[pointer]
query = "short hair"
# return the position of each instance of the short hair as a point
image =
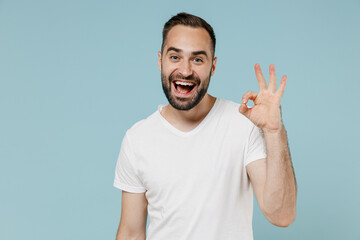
(188, 20)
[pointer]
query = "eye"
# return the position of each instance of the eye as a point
(198, 60)
(174, 58)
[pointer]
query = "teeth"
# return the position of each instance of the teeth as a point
(184, 83)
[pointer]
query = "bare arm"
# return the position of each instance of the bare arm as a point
(280, 187)
(133, 217)
(274, 182)
(273, 178)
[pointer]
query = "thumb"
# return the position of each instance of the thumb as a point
(243, 109)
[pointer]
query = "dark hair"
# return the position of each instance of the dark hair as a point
(188, 20)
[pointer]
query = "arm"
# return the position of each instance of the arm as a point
(274, 182)
(133, 217)
(273, 178)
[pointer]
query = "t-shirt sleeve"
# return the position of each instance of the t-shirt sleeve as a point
(256, 146)
(126, 177)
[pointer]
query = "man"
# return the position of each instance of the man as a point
(193, 165)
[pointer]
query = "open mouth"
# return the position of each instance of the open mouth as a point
(184, 88)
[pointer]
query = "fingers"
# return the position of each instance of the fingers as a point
(281, 89)
(272, 83)
(260, 77)
(249, 95)
(243, 109)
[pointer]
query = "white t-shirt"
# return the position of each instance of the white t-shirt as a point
(196, 182)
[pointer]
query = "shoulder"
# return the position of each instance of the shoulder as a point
(143, 127)
(229, 106)
(230, 109)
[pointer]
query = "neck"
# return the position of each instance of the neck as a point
(194, 115)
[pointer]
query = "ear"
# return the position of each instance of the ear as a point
(213, 66)
(159, 60)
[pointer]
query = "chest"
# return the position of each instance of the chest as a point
(180, 164)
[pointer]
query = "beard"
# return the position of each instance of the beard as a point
(180, 103)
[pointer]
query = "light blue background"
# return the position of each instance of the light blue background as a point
(75, 75)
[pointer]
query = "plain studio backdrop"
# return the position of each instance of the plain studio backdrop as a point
(75, 75)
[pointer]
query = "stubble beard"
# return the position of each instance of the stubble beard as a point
(184, 104)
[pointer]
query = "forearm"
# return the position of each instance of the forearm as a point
(124, 233)
(280, 188)
(121, 236)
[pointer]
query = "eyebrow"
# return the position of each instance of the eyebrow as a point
(201, 52)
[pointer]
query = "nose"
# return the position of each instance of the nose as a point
(185, 68)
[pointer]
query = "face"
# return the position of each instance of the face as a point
(186, 66)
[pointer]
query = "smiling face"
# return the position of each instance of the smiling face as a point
(186, 64)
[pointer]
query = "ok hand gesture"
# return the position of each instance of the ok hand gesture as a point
(266, 113)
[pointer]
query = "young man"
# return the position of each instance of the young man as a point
(193, 164)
